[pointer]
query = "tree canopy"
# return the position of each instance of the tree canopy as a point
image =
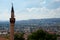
(42, 35)
(18, 36)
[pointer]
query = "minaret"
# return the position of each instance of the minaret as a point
(12, 23)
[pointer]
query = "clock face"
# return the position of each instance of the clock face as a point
(12, 20)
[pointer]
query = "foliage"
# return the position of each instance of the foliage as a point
(42, 35)
(18, 36)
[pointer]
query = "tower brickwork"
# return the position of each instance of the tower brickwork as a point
(12, 23)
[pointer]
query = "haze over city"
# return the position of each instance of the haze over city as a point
(30, 9)
(29, 19)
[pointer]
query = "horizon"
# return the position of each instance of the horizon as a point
(30, 9)
(27, 19)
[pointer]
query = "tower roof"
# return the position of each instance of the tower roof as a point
(12, 10)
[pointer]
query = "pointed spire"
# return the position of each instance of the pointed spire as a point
(12, 10)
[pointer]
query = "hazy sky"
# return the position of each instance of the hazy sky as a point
(30, 9)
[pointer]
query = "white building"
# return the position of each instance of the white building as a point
(3, 32)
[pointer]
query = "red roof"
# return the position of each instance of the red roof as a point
(1, 38)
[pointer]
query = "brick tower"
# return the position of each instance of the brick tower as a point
(12, 22)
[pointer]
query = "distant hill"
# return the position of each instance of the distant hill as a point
(51, 21)
(40, 21)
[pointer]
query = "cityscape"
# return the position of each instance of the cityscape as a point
(30, 20)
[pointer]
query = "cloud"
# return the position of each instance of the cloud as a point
(57, 0)
(38, 13)
(31, 9)
(52, 4)
(4, 16)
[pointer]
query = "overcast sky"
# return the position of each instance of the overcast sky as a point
(30, 9)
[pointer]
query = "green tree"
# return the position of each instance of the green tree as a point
(18, 36)
(42, 35)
